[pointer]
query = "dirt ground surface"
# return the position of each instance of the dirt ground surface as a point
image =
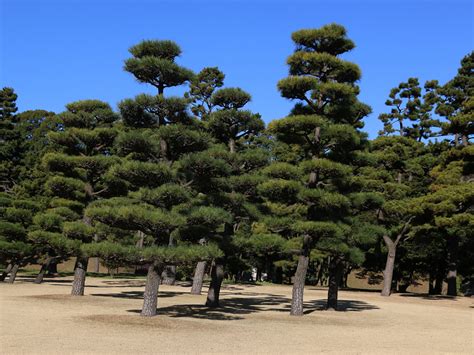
(44, 319)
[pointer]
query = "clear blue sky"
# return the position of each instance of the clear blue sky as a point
(55, 52)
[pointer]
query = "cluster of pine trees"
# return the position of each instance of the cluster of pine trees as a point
(195, 185)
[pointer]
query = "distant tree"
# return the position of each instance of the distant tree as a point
(7, 103)
(456, 103)
(201, 89)
(153, 62)
(412, 110)
(10, 139)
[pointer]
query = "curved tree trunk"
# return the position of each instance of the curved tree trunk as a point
(150, 297)
(13, 272)
(80, 270)
(451, 278)
(389, 266)
(335, 273)
(217, 276)
(44, 268)
(5, 273)
(198, 278)
(299, 280)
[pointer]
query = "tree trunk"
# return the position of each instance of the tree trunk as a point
(402, 288)
(169, 275)
(299, 280)
(232, 145)
(465, 141)
(217, 275)
(164, 150)
(335, 272)
(6, 272)
(451, 278)
(346, 274)
(96, 260)
(399, 177)
(438, 286)
(44, 268)
(198, 278)
(389, 266)
(13, 272)
(53, 267)
(456, 139)
(150, 297)
(80, 270)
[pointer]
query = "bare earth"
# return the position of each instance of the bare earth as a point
(43, 318)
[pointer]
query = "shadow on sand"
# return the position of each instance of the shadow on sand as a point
(235, 308)
(426, 296)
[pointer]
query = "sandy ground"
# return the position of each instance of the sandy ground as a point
(43, 318)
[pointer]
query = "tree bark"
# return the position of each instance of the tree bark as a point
(80, 270)
(198, 278)
(299, 280)
(217, 276)
(438, 285)
(6, 272)
(150, 297)
(53, 267)
(96, 260)
(44, 268)
(169, 275)
(335, 272)
(451, 278)
(232, 145)
(164, 149)
(389, 266)
(13, 272)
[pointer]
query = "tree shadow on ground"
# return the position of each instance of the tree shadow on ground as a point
(235, 308)
(138, 294)
(342, 306)
(230, 309)
(426, 296)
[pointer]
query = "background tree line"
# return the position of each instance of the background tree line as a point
(194, 185)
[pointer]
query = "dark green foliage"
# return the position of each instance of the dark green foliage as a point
(201, 89)
(153, 62)
(7, 103)
(456, 103)
(410, 104)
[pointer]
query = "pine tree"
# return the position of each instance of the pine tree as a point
(447, 210)
(10, 140)
(16, 215)
(456, 103)
(411, 104)
(324, 125)
(201, 90)
(77, 170)
(157, 134)
(153, 62)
